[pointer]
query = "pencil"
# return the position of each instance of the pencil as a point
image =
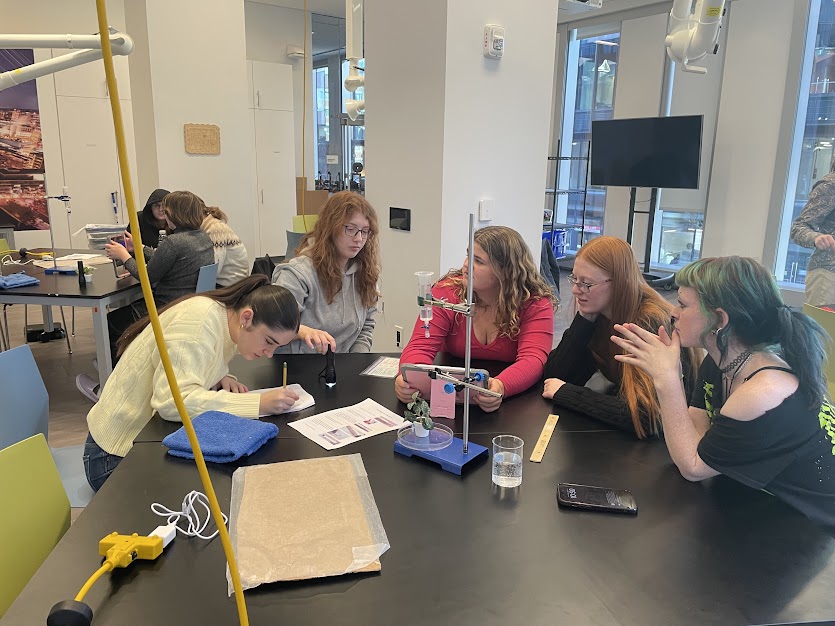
(285, 375)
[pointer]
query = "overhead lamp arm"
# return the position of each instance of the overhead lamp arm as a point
(693, 34)
(88, 49)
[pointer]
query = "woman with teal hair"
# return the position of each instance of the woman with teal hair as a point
(759, 412)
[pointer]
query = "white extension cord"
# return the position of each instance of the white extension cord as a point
(191, 514)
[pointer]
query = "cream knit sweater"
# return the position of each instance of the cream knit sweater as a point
(197, 336)
(230, 253)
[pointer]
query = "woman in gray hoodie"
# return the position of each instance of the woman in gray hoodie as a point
(334, 278)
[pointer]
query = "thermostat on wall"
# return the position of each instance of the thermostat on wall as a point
(493, 41)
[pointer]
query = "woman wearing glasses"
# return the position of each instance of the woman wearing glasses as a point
(513, 321)
(334, 278)
(581, 372)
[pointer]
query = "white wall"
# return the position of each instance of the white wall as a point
(448, 127)
(750, 112)
(269, 30)
(195, 80)
(404, 131)
(497, 119)
(637, 94)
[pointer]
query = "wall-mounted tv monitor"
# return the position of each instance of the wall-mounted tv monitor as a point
(647, 152)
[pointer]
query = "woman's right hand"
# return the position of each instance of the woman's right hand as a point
(316, 339)
(825, 242)
(276, 401)
(403, 390)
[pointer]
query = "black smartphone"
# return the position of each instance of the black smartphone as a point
(596, 498)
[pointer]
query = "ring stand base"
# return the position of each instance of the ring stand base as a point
(451, 458)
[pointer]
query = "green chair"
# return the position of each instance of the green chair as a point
(36, 513)
(827, 320)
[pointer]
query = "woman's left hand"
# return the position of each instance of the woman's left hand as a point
(658, 355)
(227, 383)
(487, 403)
(551, 387)
(116, 251)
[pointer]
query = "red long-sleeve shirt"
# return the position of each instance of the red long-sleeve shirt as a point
(526, 354)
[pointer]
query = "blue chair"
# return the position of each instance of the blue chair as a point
(294, 240)
(26, 413)
(36, 514)
(207, 278)
(25, 400)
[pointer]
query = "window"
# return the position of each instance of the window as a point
(812, 156)
(321, 121)
(591, 62)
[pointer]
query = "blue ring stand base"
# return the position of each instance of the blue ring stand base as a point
(451, 458)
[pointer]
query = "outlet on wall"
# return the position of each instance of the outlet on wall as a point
(485, 210)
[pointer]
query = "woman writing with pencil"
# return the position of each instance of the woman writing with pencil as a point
(202, 332)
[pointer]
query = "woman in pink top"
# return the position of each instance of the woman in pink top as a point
(513, 321)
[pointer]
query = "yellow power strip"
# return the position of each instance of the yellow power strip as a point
(544, 438)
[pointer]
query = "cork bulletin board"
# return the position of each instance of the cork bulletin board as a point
(202, 138)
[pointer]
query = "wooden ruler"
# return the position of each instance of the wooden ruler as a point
(544, 438)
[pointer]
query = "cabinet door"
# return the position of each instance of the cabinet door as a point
(88, 80)
(88, 149)
(273, 85)
(276, 172)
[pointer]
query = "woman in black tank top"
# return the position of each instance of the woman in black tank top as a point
(759, 413)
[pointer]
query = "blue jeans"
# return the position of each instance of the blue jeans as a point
(98, 464)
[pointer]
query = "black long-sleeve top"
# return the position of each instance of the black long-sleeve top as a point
(573, 362)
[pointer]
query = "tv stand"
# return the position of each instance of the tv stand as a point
(657, 280)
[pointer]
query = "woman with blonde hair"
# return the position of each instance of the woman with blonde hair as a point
(334, 278)
(230, 252)
(582, 372)
(513, 321)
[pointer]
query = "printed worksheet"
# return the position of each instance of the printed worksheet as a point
(384, 367)
(305, 399)
(339, 427)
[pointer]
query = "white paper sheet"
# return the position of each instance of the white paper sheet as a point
(339, 427)
(305, 399)
(384, 367)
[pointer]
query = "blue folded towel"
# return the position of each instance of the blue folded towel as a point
(223, 437)
(20, 279)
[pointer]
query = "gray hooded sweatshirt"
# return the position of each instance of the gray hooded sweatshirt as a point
(346, 319)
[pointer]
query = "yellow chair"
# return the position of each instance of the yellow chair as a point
(827, 320)
(35, 516)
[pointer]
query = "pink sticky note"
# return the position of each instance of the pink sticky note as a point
(441, 404)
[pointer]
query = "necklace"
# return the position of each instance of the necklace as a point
(728, 378)
(740, 359)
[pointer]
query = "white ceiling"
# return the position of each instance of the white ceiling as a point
(337, 7)
(611, 6)
(324, 7)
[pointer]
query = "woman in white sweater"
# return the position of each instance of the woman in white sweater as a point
(202, 332)
(230, 253)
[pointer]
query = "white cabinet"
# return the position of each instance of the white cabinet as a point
(271, 104)
(271, 86)
(275, 172)
(88, 80)
(91, 166)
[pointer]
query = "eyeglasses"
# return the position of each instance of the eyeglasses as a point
(585, 287)
(352, 231)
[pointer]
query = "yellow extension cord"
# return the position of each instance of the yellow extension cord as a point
(115, 106)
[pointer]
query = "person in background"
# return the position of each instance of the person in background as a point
(581, 372)
(513, 320)
(203, 332)
(152, 219)
(814, 228)
(230, 253)
(334, 278)
(759, 412)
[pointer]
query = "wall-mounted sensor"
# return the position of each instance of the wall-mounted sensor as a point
(400, 219)
(493, 41)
